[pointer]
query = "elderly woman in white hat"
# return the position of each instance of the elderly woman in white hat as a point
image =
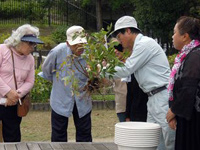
(15, 56)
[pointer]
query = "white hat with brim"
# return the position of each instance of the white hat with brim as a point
(75, 35)
(125, 22)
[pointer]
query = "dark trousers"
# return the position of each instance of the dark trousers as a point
(10, 123)
(60, 124)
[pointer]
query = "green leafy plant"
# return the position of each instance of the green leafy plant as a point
(70, 78)
(171, 59)
(48, 43)
(59, 35)
(42, 88)
(3, 37)
(97, 52)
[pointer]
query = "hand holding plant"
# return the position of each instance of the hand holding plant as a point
(100, 58)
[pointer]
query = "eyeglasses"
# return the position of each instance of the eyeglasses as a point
(119, 32)
(115, 34)
(32, 44)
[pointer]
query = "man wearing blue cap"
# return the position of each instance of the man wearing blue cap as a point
(63, 100)
(150, 66)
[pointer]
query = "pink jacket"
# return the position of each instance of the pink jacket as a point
(24, 71)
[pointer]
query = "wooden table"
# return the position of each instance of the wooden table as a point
(58, 146)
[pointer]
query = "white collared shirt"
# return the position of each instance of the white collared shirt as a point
(148, 62)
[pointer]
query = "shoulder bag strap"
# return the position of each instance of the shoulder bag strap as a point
(14, 69)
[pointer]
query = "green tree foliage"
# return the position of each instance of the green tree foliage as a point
(86, 2)
(159, 17)
(116, 4)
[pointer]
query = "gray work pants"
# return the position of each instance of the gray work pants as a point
(157, 106)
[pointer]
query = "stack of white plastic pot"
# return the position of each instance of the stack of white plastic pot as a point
(137, 135)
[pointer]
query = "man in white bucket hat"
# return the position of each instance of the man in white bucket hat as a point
(150, 66)
(63, 102)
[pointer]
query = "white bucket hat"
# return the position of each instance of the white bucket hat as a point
(126, 22)
(75, 31)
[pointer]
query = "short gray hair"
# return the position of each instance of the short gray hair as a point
(16, 36)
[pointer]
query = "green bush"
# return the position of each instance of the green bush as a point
(3, 37)
(6, 12)
(48, 43)
(59, 35)
(23, 9)
(41, 90)
(171, 60)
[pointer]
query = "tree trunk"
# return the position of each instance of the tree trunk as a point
(99, 15)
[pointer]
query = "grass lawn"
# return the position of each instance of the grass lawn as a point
(36, 126)
(109, 97)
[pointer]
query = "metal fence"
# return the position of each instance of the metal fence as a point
(47, 12)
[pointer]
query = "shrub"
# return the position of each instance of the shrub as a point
(42, 88)
(48, 43)
(25, 9)
(59, 35)
(171, 60)
(3, 37)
